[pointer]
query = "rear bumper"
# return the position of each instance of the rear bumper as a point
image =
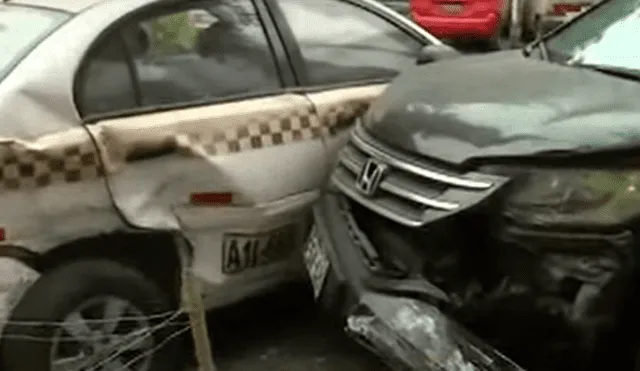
(399, 320)
(459, 27)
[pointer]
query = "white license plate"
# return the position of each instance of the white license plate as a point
(317, 262)
(242, 252)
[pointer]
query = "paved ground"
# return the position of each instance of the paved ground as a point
(283, 332)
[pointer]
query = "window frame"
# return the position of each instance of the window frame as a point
(294, 51)
(81, 74)
(281, 62)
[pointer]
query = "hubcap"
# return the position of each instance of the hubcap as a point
(103, 334)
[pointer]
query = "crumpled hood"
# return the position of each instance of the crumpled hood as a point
(503, 104)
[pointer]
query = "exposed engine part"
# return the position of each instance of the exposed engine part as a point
(543, 307)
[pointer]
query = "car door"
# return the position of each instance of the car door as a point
(345, 61)
(198, 134)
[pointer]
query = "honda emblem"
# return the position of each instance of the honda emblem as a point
(370, 177)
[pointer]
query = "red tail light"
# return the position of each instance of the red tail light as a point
(563, 9)
(211, 198)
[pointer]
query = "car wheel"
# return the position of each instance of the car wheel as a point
(91, 315)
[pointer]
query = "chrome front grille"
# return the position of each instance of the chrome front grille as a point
(412, 191)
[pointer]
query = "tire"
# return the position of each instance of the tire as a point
(59, 292)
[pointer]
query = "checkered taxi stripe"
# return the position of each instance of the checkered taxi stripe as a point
(21, 167)
(25, 168)
(293, 128)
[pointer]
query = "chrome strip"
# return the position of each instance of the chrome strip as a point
(354, 167)
(349, 162)
(373, 206)
(414, 169)
(411, 196)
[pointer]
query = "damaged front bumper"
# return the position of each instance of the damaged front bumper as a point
(412, 335)
(398, 319)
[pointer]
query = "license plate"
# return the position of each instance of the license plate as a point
(316, 261)
(242, 252)
(452, 8)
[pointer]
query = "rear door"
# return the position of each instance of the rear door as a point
(347, 57)
(189, 103)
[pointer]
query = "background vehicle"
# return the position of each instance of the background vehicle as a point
(132, 126)
(454, 20)
(470, 229)
(502, 24)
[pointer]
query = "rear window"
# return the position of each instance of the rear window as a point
(21, 29)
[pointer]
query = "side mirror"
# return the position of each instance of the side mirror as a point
(436, 52)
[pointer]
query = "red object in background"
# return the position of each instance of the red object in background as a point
(211, 198)
(562, 9)
(458, 19)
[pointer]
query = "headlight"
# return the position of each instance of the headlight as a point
(572, 196)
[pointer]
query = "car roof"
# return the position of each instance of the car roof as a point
(71, 6)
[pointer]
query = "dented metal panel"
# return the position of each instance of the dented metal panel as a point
(269, 153)
(158, 160)
(51, 178)
(55, 190)
(357, 99)
(64, 180)
(266, 152)
(415, 336)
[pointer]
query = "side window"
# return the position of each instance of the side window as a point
(346, 42)
(201, 52)
(106, 81)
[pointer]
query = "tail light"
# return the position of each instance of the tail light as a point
(561, 9)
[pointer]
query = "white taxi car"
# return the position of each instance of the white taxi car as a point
(129, 125)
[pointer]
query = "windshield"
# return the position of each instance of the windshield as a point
(605, 36)
(21, 28)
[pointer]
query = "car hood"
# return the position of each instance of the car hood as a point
(503, 104)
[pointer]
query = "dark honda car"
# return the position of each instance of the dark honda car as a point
(485, 212)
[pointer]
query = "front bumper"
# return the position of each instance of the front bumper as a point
(399, 320)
